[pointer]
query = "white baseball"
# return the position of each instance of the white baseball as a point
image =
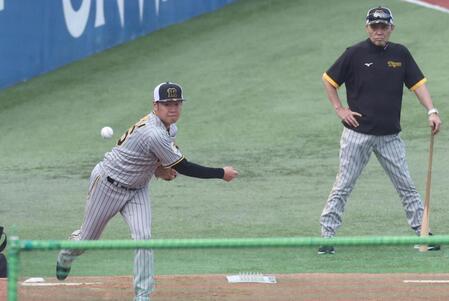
(107, 132)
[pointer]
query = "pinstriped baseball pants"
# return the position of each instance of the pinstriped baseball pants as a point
(104, 201)
(355, 151)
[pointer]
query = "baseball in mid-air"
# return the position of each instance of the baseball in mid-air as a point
(107, 132)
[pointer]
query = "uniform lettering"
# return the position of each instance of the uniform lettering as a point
(393, 64)
(139, 124)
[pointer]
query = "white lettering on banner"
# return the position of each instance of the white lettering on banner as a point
(76, 21)
(99, 14)
(157, 4)
(141, 10)
(2, 4)
(121, 10)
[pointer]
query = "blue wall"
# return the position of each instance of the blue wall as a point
(37, 36)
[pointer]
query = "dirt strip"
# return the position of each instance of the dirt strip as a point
(215, 287)
(442, 3)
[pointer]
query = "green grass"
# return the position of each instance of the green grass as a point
(251, 74)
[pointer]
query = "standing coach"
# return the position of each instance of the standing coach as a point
(374, 72)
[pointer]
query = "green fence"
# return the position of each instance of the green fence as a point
(17, 246)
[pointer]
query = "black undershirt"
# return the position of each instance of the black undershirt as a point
(191, 169)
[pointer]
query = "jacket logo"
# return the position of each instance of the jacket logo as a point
(393, 64)
(368, 64)
(172, 93)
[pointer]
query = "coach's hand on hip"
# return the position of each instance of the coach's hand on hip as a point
(229, 173)
(348, 116)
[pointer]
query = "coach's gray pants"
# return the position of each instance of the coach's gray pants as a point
(104, 201)
(355, 151)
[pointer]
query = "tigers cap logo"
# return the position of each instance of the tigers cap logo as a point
(172, 93)
(167, 91)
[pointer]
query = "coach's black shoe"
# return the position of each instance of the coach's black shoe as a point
(61, 272)
(432, 247)
(326, 250)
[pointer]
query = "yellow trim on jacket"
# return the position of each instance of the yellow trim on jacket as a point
(418, 84)
(330, 80)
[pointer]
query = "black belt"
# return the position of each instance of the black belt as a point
(118, 184)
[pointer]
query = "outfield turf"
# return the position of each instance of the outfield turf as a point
(252, 76)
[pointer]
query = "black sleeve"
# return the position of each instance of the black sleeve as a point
(339, 71)
(197, 171)
(413, 74)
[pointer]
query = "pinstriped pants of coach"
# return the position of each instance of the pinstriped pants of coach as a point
(355, 151)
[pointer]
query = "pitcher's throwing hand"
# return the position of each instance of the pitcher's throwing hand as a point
(229, 173)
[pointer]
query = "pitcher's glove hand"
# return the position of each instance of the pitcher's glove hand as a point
(167, 174)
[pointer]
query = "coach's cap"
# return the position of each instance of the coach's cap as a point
(379, 15)
(168, 92)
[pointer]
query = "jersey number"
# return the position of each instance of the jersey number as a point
(141, 123)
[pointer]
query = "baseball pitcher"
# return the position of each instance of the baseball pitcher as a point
(119, 183)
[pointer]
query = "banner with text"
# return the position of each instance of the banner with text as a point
(40, 36)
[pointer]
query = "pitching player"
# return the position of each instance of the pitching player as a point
(374, 72)
(119, 183)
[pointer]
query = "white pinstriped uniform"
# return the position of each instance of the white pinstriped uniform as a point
(355, 151)
(131, 163)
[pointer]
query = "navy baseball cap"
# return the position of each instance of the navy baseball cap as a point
(379, 15)
(168, 92)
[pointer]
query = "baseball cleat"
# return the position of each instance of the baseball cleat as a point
(75, 235)
(430, 247)
(62, 272)
(326, 250)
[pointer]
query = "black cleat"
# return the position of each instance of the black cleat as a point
(430, 247)
(433, 247)
(61, 272)
(326, 250)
